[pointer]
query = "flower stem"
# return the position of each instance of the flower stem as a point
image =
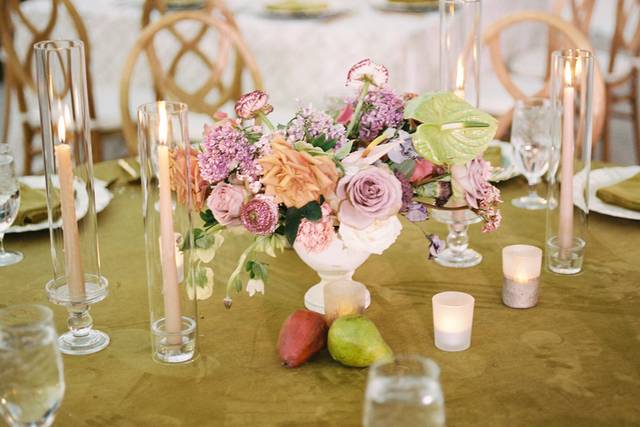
(263, 118)
(356, 114)
(238, 270)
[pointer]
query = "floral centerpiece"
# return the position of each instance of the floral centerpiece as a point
(335, 182)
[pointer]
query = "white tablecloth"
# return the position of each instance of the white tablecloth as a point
(301, 61)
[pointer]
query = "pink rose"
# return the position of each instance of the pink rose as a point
(371, 194)
(472, 179)
(424, 169)
(225, 201)
(252, 103)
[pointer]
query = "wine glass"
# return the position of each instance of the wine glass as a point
(9, 203)
(531, 141)
(404, 393)
(31, 372)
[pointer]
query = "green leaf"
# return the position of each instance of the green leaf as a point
(292, 223)
(406, 168)
(208, 219)
(344, 150)
(311, 211)
(452, 131)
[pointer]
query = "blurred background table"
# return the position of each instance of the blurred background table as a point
(570, 361)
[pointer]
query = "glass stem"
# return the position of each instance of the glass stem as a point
(80, 321)
(533, 194)
(1, 243)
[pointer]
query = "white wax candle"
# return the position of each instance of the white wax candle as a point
(565, 231)
(452, 320)
(173, 323)
(70, 234)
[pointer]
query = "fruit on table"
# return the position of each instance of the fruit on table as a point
(302, 335)
(355, 341)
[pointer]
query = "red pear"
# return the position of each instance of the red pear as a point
(303, 334)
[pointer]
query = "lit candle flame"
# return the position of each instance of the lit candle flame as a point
(162, 123)
(61, 130)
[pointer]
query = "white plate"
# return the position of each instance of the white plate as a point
(610, 176)
(103, 197)
(508, 168)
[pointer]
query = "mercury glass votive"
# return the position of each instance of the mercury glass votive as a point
(452, 320)
(521, 265)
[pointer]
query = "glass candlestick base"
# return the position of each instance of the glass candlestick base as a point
(81, 338)
(179, 347)
(565, 260)
(457, 253)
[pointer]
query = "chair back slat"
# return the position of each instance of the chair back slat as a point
(165, 78)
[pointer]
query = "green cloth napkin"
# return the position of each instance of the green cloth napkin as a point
(114, 174)
(493, 155)
(33, 206)
(625, 194)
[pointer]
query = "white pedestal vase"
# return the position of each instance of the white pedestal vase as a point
(333, 263)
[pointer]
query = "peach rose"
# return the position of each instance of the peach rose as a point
(179, 179)
(296, 178)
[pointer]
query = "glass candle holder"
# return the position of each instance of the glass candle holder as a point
(452, 320)
(460, 48)
(457, 254)
(568, 176)
(66, 144)
(167, 163)
(342, 297)
(521, 265)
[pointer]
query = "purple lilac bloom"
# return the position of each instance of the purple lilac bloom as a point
(382, 109)
(226, 149)
(417, 212)
(311, 124)
(436, 246)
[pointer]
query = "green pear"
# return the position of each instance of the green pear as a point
(355, 341)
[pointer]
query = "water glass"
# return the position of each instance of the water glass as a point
(531, 141)
(9, 203)
(31, 373)
(405, 392)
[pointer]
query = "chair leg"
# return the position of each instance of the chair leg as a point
(96, 146)
(606, 140)
(28, 149)
(6, 115)
(635, 120)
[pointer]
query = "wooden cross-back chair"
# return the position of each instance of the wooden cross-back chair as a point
(622, 79)
(21, 70)
(569, 32)
(217, 8)
(230, 43)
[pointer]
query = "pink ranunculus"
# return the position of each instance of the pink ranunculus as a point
(472, 179)
(260, 215)
(252, 103)
(371, 194)
(424, 169)
(225, 201)
(367, 70)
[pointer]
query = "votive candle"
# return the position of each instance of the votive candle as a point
(452, 320)
(521, 265)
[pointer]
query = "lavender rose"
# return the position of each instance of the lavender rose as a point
(471, 180)
(370, 194)
(260, 215)
(225, 202)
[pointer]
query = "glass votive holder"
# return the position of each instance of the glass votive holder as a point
(452, 320)
(521, 265)
(342, 297)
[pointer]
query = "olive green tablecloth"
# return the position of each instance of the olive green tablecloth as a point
(574, 360)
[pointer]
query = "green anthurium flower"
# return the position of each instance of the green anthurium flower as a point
(451, 131)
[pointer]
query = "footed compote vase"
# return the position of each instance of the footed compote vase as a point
(457, 254)
(81, 338)
(336, 262)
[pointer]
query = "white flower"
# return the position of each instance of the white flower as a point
(204, 289)
(254, 286)
(367, 70)
(375, 239)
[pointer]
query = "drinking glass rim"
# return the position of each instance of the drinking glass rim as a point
(431, 368)
(45, 317)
